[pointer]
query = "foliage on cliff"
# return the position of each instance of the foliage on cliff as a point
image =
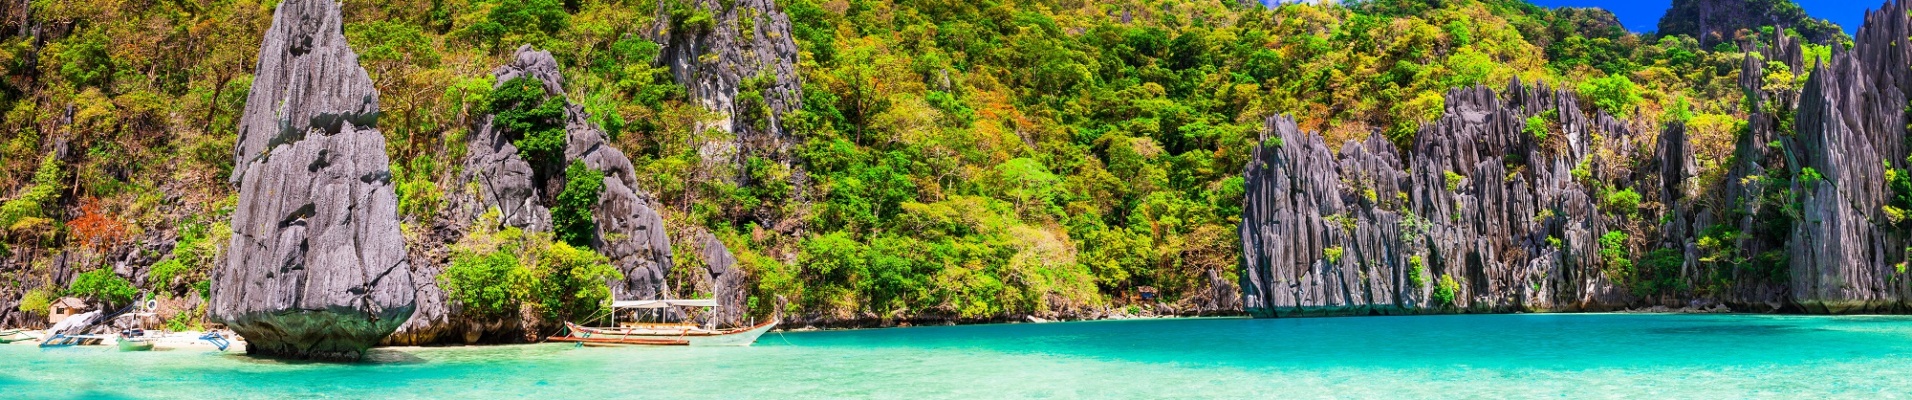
(967, 159)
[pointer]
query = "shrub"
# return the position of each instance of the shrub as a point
(1537, 128)
(487, 285)
(94, 228)
(1810, 177)
(37, 301)
(1659, 273)
(1445, 292)
(521, 106)
(1416, 276)
(572, 219)
(1453, 181)
(1624, 201)
(1613, 250)
(103, 285)
(571, 283)
(48, 182)
(1613, 93)
(1332, 254)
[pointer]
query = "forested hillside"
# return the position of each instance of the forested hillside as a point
(945, 159)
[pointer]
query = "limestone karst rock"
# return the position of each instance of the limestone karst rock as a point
(317, 266)
(1370, 231)
(1846, 251)
(721, 276)
(741, 64)
(630, 232)
(745, 47)
(1802, 215)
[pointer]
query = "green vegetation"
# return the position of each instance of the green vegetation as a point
(1613, 249)
(1416, 274)
(1615, 94)
(521, 106)
(569, 283)
(572, 218)
(1810, 177)
(38, 301)
(486, 285)
(1624, 201)
(104, 286)
(1536, 127)
(969, 159)
(1445, 292)
(1332, 254)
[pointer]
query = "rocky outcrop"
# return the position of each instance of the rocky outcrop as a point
(743, 47)
(721, 277)
(1808, 215)
(738, 59)
(1715, 21)
(630, 230)
(1475, 201)
(1847, 250)
(317, 265)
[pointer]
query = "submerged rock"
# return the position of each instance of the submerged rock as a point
(317, 265)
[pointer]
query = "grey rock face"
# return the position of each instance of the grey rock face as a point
(1851, 125)
(747, 40)
(317, 265)
(1327, 234)
(721, 277)
(1809, 214)
(630, 230)
(743, 66)
(313, 82)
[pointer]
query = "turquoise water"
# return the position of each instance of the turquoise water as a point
(1498, 356)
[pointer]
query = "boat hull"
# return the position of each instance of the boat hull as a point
(135, 345)
(654, 337)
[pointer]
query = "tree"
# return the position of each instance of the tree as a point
(103, 285)
(487, 285)
(1027, 182)
(572, 218)
(572, 284)
(522, 106)
(94, 228)
(1614, 94)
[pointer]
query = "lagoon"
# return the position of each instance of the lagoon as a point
(1497, 356)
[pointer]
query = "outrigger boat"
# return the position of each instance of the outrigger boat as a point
(661, 334)
(135, 340)
(17, 335)
(63, 340)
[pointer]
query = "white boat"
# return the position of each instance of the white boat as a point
(662, 334)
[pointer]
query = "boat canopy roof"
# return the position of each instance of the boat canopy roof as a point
(665, 303)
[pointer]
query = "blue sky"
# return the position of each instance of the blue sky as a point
(1644, 15)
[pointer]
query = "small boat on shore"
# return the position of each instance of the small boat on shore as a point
(18, 335)
(64, 340)
(135, 340)
(661, 334)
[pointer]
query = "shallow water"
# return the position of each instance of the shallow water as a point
(1497, 356)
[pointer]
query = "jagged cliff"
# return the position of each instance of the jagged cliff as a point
(630, 230)
(1371, 231)
(1848, 249)
(738, 60)
(497, 176)
(317, 265)
(1808, 217)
